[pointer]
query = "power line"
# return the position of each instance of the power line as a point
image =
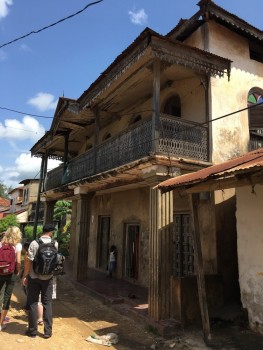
(25, 113)
(51, 25)
(135, 113)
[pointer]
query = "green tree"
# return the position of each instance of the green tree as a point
(4, 190)
(7, 221)
(28, 232)
(63, 238)
(61, 210)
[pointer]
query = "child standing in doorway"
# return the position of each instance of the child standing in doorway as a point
(112, 260)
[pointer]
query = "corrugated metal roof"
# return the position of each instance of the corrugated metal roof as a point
(247, 161)
(4, 202)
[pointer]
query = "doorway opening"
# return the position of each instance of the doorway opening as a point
(103, 242)
(131, 265)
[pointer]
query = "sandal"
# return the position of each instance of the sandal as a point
(40, 322)
(2, 327)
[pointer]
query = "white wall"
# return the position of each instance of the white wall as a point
(250, 252)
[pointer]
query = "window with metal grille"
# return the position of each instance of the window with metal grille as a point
(182, 246)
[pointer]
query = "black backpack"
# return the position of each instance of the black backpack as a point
(45, 260)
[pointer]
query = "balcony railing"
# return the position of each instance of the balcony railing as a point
(176, 138)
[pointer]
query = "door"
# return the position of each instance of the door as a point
(103, 242)
(131, 265)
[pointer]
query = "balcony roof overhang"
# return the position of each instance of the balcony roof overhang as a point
(129, 176)
(119, 86)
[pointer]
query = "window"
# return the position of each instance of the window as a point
(173, 106)
(182, 246)
(255, 98)
(256, 52)
(25, 196)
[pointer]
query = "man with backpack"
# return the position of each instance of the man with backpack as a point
(38, 278)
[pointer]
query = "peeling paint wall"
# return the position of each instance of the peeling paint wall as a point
(124, 207)
(230, 135)
(250, 252)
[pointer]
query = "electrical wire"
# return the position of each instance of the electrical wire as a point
(137, 113)
(51, 25)
(25, 113)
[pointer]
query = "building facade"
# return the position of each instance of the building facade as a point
(168, 105)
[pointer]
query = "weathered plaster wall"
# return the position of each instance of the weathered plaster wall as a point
(123, 207)
(250, 247)
(230, 135)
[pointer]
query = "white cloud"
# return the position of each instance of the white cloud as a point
(3, 55)
(138, 17)
(4, 10)
(25, 167)
(27, 129)
(43, 101)
(25, 47)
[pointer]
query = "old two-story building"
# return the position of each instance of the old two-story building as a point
(23, 201)
(29, 202)
(167, 105)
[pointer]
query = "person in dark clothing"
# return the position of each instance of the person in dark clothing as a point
(36, 284)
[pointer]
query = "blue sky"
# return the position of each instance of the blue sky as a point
(65, 59)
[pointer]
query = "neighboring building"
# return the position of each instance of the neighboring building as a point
(245, 174)
(151, 115)
(23, 201)
(4, 206)
(16, 199)
(30, 193)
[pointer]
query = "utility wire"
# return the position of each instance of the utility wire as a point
(25, 113)
(51, 25)
(136, 113)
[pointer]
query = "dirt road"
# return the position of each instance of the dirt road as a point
(78, 316)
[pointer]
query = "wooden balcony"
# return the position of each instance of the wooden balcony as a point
(177, 138)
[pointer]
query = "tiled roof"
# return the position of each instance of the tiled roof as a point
(4, 202)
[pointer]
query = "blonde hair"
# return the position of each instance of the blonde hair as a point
(12, 236)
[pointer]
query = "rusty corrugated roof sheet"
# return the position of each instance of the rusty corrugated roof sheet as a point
(4, 202)
(247, 161)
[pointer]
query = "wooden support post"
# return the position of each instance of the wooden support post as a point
(199, 268)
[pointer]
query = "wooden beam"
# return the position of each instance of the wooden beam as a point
(73, 126)
(199, 268)
(225, 183)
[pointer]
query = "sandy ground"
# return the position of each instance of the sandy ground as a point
(77, 315)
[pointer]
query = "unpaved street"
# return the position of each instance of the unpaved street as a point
(78, 315)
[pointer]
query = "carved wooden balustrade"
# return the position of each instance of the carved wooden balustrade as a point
(177, 138)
